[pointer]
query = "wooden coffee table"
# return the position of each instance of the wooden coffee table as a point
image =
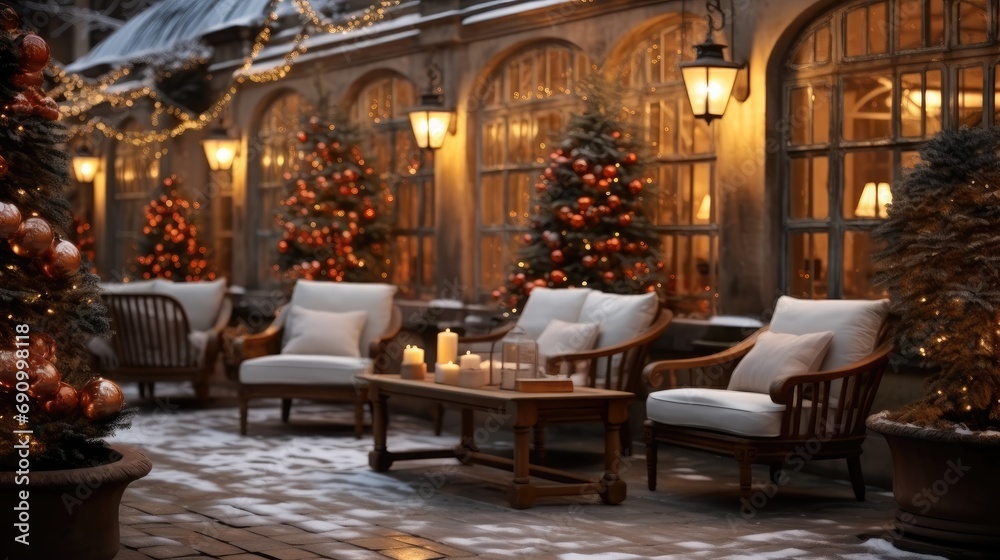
(518, 411)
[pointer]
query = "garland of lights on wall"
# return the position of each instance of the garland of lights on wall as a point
(82, 94)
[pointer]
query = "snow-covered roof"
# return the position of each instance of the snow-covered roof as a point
(169, 23)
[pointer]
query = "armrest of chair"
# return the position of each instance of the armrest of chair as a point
(783, 390)
(263, 343)
(653, 374)
(225, 315)
(492, 336)
(395, 325)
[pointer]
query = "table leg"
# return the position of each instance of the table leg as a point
(613, 491)
(380, 459)
(522, 492)
(468, 442)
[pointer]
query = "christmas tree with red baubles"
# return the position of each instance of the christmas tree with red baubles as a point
(335, 221)
(169, 246)
(81, 233)
(589, 228)
(51, 403)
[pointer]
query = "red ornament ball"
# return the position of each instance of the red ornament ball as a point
(539, 282)
(62, 260)
(4, 168)
(47, 109)
(63, 402)
(526, 239)
(565, 212)
(557, 276)
(635, 187)
(610, 277)
(631, 248)
(589, 261)
(302, 136)
(577, 221)
(581, 166)
(600, 246)
(10, 220)
(518, 279)
(589, 180)
(540, 186)
(625, 220)
(584, 203)
(616, 134)
(43, 378)
(614, 201)
(614, 244)
(33, 53)
(32, 238)
(8, 18)
(350, 175)
(42, 346)
(603, 210)
(369, 213)
(557, 256)
(496, 294)
(101, 399)
(609, 171)
(631, 158)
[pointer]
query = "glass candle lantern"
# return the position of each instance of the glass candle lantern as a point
(518, 359)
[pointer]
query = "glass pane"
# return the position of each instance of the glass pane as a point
(519, 187)
(805, 51)
(807, 265)
(801, 115)
(913, 99)
(972, 22)
(878, 29)
(854, 32)
(664, 212)
(427, 204)
(970, 96)
(427, 257)
(808, 197)
(910, 24)
(867, 107)
(491, 267)
(492, 207)
(867, 176)
(407, 205)
(909, 160)
(823, 43)
(858, 269)
(936, 19)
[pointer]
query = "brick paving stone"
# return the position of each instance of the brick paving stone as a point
(128, 554)
(377, 543)
(157, 508)
(168, 551)
(305, 538)
(143, 542)
(291, 554)
(411, 553)
(260, 544)
(273, 530)
(170, 531)
(384, 531)
(245, 556)
(212, 547)
(127, 531)
(450, 551)
(416, 541)
(343, 551)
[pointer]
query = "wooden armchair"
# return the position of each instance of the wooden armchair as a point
(270, 366)
(153, 341)
(806, 416)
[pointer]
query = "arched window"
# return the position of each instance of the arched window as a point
(136, 175)
(277, 154)
(383, 104)
(523, 106)
(865, 86)
(683, 170)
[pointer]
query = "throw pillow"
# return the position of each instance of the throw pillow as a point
(341, 297)
(562, 337)
(776, 356)
(546, 304)
(326, 333)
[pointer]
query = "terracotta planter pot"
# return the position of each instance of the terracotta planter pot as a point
(70, 513)
(946, 485)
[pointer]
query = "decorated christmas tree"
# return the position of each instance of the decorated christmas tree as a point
(169, 245)
(335, 221)
(52, 405)
(82, 235)
(941, 264)
(589, 227)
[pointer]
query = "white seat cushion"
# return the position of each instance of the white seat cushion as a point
(300, 369)
(775, 356)
(545, 304)
(376, 299)
(735, 412)
(324, 333)
(201, 300)
(855, 325)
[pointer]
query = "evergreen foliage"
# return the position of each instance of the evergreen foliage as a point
(589, 227)
(941, 263)
(169, 246)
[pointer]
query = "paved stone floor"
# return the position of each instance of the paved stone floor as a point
(304, 490)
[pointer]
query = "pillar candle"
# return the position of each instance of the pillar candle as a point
(470, 361)
(447, 373)
(413, 355)
(447, 347)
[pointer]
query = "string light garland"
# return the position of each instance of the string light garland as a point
(82, 95)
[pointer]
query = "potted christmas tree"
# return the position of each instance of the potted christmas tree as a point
(60, 486)
(942, 267)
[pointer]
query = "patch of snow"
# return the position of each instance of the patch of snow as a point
(696, 545)
(885, 549)
(791, 534)
(514, 9)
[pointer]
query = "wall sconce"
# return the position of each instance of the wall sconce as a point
(709, 78)
(430, 120)
(874, 198)
(220, 150)
(85, 165)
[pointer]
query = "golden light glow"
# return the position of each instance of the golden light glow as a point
(430, 126)
(85, 168)
(874, 199)
(220, 152)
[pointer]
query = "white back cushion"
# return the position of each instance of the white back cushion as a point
(620, 317)
(133, 287)
(201, 300)
(855, 325)
(545, 304)
(325, 333)
(775, 356)
(376, 299)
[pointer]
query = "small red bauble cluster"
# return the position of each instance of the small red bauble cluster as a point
(33, 238)
(32, 58)
(98, 400)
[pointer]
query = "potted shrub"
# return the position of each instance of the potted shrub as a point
(59, 484)
(941, 265)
